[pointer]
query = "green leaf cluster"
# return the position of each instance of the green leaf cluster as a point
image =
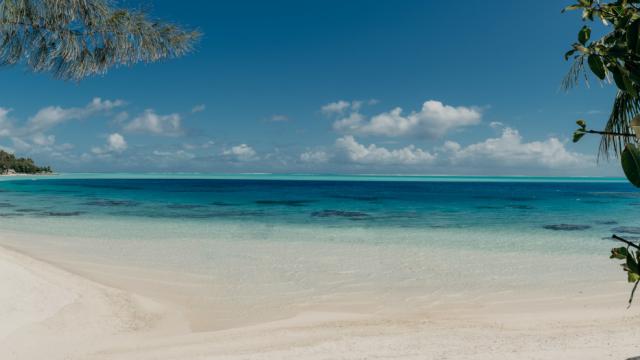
(630, 265)
(579, 133)
(614, 57)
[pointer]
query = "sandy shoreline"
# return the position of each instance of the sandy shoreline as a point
(52, 313)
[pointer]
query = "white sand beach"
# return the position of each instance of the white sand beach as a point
(51, 313)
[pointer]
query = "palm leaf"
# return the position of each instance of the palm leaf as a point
(625, 107)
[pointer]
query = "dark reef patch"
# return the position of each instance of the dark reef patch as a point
(627, 229)
(566, 227)
(606, 222)
(356, 215)
(62, 213)
(28, 210)
(521, 207)
(221, 203)
(370, 198)
(184, 206)
(109, 203)
(284, 202)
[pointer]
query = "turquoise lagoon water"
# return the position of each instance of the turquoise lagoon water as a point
(292, 241)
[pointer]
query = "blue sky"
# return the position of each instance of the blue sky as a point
(421, 87)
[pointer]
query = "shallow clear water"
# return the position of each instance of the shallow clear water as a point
(260, 241)
(485, 204)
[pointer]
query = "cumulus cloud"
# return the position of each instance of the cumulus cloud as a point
(32, 135)
(510, 150)
(337, 107)
(433, 120)
(51, 116)
(198, 108)
(317, 157)
(342, 106)
(152, 123)
(373, 154)
(115, 143)
(242, 152)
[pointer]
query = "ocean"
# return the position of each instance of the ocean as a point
(254, 243)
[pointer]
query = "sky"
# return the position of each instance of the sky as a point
(332, 86)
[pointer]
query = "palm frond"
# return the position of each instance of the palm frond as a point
(575, 72)
(624, 108)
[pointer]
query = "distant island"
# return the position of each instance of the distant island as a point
(11, 165)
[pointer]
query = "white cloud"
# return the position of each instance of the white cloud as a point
(150, 122)
(198, 108)
(51, 116)
(43, 140)
(434, 120)
(115, 143)
(496, 125)
(510, 150)
(242, 152)
(337, 107)
(5, 123)
(279, 118)
(373, 154)
(317, 157)
(341, 106)
(174, 155)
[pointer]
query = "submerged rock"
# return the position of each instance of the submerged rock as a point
(284, 202)
(340, 213)
(521, 207)
(627, 229)
(63, 213)
(107, 202)
(606, 222)
(184, 206)
(566, 227)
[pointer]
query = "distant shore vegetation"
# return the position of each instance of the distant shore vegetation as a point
(10, 164)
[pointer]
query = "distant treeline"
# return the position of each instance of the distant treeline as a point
(9, 162)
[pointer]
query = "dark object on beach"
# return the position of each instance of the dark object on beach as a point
(566, 227)
(340, 213)
(626, 229)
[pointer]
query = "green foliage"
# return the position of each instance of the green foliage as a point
(630, 265)
(73, 39)
(20, 165)
(614, 57)
(630, 160)
(579, 133)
